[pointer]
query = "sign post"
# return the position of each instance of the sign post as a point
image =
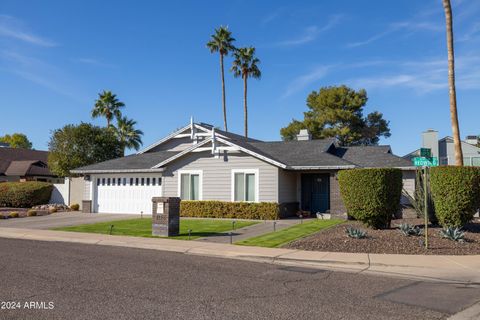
(425, 161)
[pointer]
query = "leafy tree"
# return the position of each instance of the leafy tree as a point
(221, 42)
(451, 84)
(126, 133)
(107, 105)
(80, 145)
(17, 140)
(337, 111)
(245, 65)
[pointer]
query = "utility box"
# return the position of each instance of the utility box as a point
(87, 206)
(165, 216)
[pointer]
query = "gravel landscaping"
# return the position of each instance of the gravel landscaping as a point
(390, 241)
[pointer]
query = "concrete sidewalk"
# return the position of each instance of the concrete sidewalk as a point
(457, 269)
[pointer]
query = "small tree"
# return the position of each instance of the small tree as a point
(77, 146)
(17, 140)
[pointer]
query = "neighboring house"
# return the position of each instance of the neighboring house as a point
(445, 151)
(18, 164)
(199, 162)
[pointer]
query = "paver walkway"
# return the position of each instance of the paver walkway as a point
(251, 231)
(62, 219)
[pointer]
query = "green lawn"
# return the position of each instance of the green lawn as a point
(279, 238)
(143, 227)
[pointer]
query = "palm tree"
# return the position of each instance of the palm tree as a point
(221, 41)
(245, 64)
(107, 105)
(126, 133)
(451, 84)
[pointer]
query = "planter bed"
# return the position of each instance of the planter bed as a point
(390, 241)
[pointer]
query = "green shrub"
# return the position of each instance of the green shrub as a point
(456, 194)
(371, 196)
(75, 207)
(31, 213)
(224, 209)
(13, 215)
(24, 194)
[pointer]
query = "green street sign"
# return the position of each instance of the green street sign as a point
(425, 162)
(425, 152)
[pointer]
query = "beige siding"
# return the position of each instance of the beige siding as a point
(217, 172)
(408, 177)
(77, 186)
(287, 186)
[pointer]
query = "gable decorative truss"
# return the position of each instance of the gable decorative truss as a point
(216, 148)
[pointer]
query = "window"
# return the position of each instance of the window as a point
(103, 181)
(98, 181)
(475, 161)
(131, 181)
(148, 181)
(124, 181)
(136, 181)
(245, 185)
(119, 180)
(113, 181)
(189, 185)
(153, 181)
(143, 181)
(108, 181)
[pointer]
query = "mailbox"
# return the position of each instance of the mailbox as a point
(165, 216)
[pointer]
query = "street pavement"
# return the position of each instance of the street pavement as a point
(82, 281)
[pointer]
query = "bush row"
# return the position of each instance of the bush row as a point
(456, 194)
(224, 209)
(371, 195)
(24, 194)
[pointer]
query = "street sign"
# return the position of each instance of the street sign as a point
(425, 162)
(425, 152)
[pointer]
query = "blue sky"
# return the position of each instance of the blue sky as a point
(55, 56)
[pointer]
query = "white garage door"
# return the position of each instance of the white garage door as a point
(126, 193)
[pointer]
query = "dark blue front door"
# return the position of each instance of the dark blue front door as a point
(316, 192)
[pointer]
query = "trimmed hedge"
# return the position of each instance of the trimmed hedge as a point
(371, 196)
(456, 194)
(24, 194)
(225, 209)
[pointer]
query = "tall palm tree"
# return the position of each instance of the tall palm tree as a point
(221, 41)
(126, 133)
(245, 65)
(107, 105)
(451, 84)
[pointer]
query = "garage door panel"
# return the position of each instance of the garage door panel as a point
(126, 198)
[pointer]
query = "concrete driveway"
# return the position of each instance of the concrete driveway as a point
(62, 219)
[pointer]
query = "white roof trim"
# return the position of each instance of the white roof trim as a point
(178, 155)
(119, 170)
(321, 167)
(159, 142)
(252, 153)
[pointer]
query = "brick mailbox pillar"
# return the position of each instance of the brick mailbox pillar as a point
(165, 216)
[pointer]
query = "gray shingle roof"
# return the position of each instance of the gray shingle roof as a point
(131, 162)
(302, 153)
(372, 156)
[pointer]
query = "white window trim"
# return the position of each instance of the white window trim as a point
(257, 183)
(200, 176)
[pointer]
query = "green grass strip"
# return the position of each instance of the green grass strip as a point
(281, 237)
(143, 227)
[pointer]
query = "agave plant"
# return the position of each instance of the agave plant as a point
(409, 230)
(355, 233)
(454, 234)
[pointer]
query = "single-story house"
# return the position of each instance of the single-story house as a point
(18, 164)
(200, 162)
